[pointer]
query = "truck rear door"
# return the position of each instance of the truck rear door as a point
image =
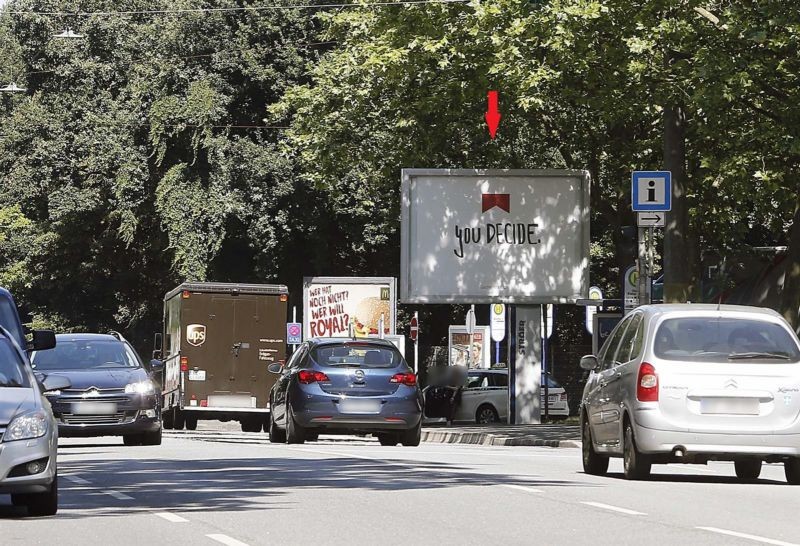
(242, 335)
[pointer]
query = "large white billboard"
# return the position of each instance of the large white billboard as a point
(483, 236)
(330, 304)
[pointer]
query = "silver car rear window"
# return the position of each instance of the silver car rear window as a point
(357, 354)
(724, 339)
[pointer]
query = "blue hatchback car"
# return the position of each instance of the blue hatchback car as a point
(346, 386)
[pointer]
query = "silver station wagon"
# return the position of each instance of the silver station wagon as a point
(692, 383)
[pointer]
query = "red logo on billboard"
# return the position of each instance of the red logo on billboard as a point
(499, 200)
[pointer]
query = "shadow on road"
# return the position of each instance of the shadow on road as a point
(250, 483)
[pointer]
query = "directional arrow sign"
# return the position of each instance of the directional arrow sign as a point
(651, 219)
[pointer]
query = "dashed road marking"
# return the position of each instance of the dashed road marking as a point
(225, 539)
(755, 538)
(76, 479)
(174, 518)
(614, 508)
(117, 495)
(522, 488)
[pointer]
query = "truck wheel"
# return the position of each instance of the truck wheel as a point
(43, 504)
(191, 422)
(251, 424)
(276, 435)
(168, 418)
(294, 432)
(178, 420)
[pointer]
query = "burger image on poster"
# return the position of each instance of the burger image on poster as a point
(368, 314)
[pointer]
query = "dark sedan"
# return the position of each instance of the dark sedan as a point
(112, 393)
(346, 386)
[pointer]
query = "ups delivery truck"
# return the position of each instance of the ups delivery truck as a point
(217, 342)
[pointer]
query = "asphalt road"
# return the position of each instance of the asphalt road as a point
(225, 487)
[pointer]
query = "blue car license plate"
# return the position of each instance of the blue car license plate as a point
(359, 406)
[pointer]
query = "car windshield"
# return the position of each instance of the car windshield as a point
(85, 354)
(359, 355)
(11, 374)
(8, 319)
(724, 339)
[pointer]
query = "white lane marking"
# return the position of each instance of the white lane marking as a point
(174, 518)
(522, 488)
(118, 495)
(614, 508)
(76, 479)
(225, 539)
(756, 538)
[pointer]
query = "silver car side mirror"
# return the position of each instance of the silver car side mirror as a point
(275, 367)
(589, 362)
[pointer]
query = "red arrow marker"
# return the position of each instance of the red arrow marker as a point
(492, 114)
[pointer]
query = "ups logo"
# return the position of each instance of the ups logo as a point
(196, 334)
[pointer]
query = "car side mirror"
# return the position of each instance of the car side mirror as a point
(275, 367)
(42, 340)
(156, 365)
(55, 383)
(589, 362)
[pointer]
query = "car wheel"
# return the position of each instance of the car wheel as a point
(412, 437)
(593, 462)
(792, 469)
(748, 470)
(388, 439)
(43, 504)
(191, 423)
(152, 438)
(276, 435)
(132, 439)
(486, 414)
(635, 464)
(294, 432)
(179, 419)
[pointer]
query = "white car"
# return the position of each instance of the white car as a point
(690, 383)
(484, 398)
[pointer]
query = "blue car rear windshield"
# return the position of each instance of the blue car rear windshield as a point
(724, 339)
(356, 354)
(11, 374)
(85, 354)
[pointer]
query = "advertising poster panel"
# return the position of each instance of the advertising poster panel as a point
(460, 353)
(330, 304)
(494, 236)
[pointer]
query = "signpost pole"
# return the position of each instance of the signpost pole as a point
(294, 319)
(642, 266)
(545, 363)
(416, 343)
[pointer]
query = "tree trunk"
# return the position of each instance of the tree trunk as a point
(790, 295)
(678, 267)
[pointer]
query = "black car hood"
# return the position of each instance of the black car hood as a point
(15, 401)
(110, 378)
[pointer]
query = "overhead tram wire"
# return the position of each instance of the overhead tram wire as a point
(238, 9)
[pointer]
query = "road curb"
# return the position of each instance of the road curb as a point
(488, 439)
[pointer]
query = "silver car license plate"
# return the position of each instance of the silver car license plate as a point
(729, 406)
(359, 406)
(94, 408)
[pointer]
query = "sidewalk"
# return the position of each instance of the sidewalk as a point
(505, 435)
